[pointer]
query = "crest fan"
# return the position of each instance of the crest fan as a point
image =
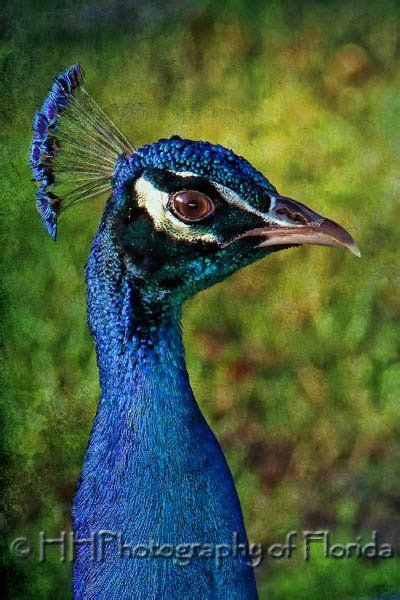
(74, 148)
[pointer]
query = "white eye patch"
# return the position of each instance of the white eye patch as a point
(233, 198)
(185, 173)
(155, 202)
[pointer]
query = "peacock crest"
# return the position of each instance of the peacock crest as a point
(74, 148)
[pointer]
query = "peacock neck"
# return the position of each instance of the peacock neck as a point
(143, 346)
(153, 469)
(146, 400)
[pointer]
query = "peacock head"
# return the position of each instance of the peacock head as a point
(182, 214)
(186, 214)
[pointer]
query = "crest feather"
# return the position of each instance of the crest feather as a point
(74, 148)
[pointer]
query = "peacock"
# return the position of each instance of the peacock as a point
(156, 513)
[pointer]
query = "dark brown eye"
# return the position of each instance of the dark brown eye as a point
(190, 205)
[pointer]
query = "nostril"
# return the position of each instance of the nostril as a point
(298, 218)
(285, 212)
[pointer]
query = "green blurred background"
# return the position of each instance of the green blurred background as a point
(295, 360)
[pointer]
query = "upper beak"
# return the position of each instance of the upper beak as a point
(294, 223)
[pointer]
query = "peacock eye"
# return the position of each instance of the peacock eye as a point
(191, 205)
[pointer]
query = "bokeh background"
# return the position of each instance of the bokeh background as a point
(295, 360)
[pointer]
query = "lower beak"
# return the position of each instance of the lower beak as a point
(294, 223)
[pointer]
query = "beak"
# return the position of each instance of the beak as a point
(291, 222)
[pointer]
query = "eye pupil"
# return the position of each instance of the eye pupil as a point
(191, 205)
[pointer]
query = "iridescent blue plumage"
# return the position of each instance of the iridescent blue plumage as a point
(182, 216)
(153, 469)
(210, 160)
